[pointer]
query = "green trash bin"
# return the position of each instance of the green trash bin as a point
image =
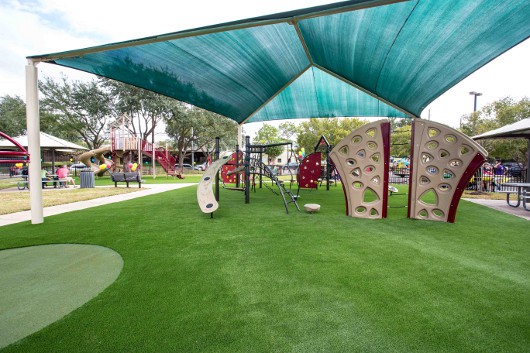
(87, 179)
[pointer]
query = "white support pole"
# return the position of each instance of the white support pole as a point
(240, 136)
(33, 131)
(192, 153)
(153, 151)
(139, 146)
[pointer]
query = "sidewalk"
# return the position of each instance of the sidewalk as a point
(501, 205)
(147, 189)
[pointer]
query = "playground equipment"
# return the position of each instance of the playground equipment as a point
(208, 202)
(239, 164)
(122, 148)
(97, 154)
(443, 161)
(121, 141)
(260, 169)
(325, 147)
(361, 159)
(286, 194)
(19, 156)
(231, 171)
(310, 171)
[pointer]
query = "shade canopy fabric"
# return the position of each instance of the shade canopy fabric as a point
(520, 129)
(47, 141)
(353, 58)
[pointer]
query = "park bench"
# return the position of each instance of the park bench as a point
(126, 177)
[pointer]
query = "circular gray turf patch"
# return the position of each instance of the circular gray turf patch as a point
(41, 284)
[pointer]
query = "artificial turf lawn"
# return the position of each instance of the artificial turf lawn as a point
(254, 279)
(41, 284)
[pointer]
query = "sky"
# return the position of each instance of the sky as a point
(32, 27)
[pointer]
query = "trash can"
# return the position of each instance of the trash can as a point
(87, 179)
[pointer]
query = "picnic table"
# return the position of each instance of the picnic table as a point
(523, 194)
(52, 178)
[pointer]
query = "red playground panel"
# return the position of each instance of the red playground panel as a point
(231, 166)
(310, 170)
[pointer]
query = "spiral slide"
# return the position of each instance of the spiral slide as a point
(99, 155)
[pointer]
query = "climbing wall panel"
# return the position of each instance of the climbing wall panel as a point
(443, 161)
(361, 160)
(227, 172)
(309, 171)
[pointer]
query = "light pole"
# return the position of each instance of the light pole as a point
(476, 94)
(480, 179)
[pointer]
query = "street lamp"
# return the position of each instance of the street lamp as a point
(476, 94)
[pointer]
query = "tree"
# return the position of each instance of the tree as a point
(143, 110)
(288, 130)
(334, 129)
(400, 143)
(495, 115)
(182, 118)
(82, 109)
(211, 125)
(266, 135)
(12, 115)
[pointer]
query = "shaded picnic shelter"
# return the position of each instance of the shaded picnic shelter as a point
(358, 58)
(519, 129)
(47, 142)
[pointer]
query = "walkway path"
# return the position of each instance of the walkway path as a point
(147, 189)
(501, 205)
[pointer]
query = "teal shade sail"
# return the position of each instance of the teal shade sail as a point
(353, 58)
(317, 94)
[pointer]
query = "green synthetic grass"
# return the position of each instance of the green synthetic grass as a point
(254, 279)
(64, 277)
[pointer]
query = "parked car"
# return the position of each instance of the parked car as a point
(185, 166)
(77, 167)
(514, 169)
(291, 166)
(201, 167)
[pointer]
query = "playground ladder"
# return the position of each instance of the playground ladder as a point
(281, 186)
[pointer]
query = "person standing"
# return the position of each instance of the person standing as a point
(498, 170)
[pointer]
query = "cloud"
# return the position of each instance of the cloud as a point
(31, 27)
(24, 33)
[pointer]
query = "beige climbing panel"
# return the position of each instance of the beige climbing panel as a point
(205, 195)
(361, 160)
(443, 162)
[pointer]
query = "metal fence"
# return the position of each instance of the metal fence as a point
(482, 180)
(485, 180)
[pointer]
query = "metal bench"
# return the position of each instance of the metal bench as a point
(127, 177)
